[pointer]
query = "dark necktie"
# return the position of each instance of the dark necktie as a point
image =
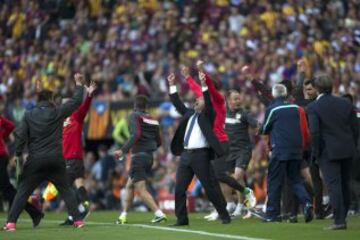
(188, 133)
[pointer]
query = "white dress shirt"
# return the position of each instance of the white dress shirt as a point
(197, 138)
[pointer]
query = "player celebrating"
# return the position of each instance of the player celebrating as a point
(73, 151)
(144, 140)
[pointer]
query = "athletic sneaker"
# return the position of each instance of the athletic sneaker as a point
(79, 224)
(122, 219)
(250, 199)
(238, 211)
(211, 215)
(158, 219)
(68, 222)
(10, 227)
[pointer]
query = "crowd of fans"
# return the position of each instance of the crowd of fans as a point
(129, 47)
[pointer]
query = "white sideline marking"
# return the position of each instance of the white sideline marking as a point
(220, 235)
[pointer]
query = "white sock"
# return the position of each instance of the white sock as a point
(70, 218)
(159, 213)
(240, 206)
(123, 213)
(81, 208)
(326, 200)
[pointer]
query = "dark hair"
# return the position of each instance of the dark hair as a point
(45, 95)
(288, 85)
(309, 82)
(349, 97)
(323, 83)
(231, 91)
(141, 102)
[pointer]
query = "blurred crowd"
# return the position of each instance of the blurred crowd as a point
(129, 47)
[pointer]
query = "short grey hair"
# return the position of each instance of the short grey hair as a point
(279, 90)
(323, 83)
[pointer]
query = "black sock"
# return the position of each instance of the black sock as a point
(82, 194)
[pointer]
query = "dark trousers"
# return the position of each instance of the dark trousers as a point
(317, 188)
(35, 171)
(337, 179)
(222, 170)
(8, 190)
(197, 163)
(277, 171)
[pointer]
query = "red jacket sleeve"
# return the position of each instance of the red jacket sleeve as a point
(81, 112)
(217, 97)
(194, 86)
(305, 132)
(7, 127)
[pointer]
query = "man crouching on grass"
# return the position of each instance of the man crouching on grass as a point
(144, 140)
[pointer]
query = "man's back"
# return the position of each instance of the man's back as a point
(286, 124)
(42, 127)
(336, 118)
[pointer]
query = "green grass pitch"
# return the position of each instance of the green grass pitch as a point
(101, 226)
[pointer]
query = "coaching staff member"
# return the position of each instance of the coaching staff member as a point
(286, 125)
(334, 131)
(41, 131)
(196, 142)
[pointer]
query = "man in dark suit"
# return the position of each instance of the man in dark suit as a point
(41, 130)
(334, 131)
(196, 143)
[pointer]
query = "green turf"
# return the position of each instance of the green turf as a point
(101, 227)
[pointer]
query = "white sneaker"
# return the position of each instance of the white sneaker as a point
(230, 207)
(238, 211)
(250, 199)
(213, 217)
(248, 215)
(213, 212)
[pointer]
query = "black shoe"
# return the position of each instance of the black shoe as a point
(179, 224)
(308, 212)
(272, 220)
(336, 227)
(67, 222)
(226, 221)
(37, 219)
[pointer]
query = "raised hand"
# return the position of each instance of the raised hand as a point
(301, 65)
(245, 70)
(79, 79)
(185, 71)
(171, 79)
(200, 65)
(91, 88)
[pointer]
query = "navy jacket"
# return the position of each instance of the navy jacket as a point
(334, 128)
(287, 126)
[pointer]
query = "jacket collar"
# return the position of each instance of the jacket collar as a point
(44, 104)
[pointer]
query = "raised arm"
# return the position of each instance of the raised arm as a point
(70, 106)
(209, 109)
(174, 96)
(263, 92)
(194, 86)
(81, 112)
(299, 88)
(217, 97)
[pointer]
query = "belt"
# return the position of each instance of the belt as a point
(193, 150)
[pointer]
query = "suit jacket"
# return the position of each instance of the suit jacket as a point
(334, 128)
(206, 121)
